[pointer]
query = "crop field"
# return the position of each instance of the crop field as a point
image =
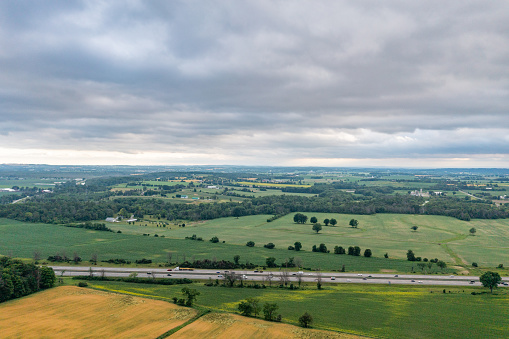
(386, 311)
(440, 237)
(73, 312)
(225, 325)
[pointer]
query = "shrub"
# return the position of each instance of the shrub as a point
(291, 248)
(474, 264)
(250, 244)
(82, 284)
(269, 245)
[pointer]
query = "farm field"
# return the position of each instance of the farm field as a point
(375, 311)
(73, 312)
(226, 325)
(435, 237)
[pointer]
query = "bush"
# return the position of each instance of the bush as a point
(250, 244)
(214, 240)
(291, 248)
(367, 253)
(82, 284)
(474, 264)
(305, 320)
(269, 245)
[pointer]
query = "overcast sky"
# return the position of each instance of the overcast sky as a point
(300, 83)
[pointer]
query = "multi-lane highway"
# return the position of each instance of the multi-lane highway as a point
(276, 276)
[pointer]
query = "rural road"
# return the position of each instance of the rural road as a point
(367, 278)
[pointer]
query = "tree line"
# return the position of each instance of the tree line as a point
(18, 279)
(81, 208)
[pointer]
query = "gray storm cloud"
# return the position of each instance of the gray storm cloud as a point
(267, 82)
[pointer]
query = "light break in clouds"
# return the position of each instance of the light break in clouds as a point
(325, 83)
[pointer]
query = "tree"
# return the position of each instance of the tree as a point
(367, 253)
(313, 220)
(441, 264)
(472, 231)
(319, 280)
(490, 280)
(333, 222)
(410, 256)
(300, 218)
(191, 295)
(339, 250)
(230, 278)
(326, 222)
(414, 228)
(269, 245)
(236, 259)
(353, 223)
(214, 240)
(249, 306)
(48, 277)
(317, 227)
(271, 262)
(297, 245)
(305, 320)
(351, 250)
(357, 251)
(322, 248)
(269, 310)
(250, 244)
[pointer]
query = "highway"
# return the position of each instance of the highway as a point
(276, 276)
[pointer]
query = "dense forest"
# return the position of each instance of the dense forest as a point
(18, 279)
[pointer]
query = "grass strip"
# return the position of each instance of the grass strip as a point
(190, 321)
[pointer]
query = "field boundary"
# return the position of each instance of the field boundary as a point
(190, 321)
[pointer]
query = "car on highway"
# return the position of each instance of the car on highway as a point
(364, 278)
(360, 275)
(332, 278)
(348, 280)
(169, 269)
(419, 282)
(472, 281)
(413, 280)
(149, 272)
(220, 276)
(169, 274)
(395, 276)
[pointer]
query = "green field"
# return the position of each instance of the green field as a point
(440, 237)
(22, 239)
(382, 311)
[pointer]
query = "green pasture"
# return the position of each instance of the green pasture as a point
(382, 311)
(439, 237)
(21, 239)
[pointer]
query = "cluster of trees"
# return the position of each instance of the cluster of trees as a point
(410, 255)
(189, 297)
(217, 264)
(81, 207)
(252, 307)
(18, 279)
